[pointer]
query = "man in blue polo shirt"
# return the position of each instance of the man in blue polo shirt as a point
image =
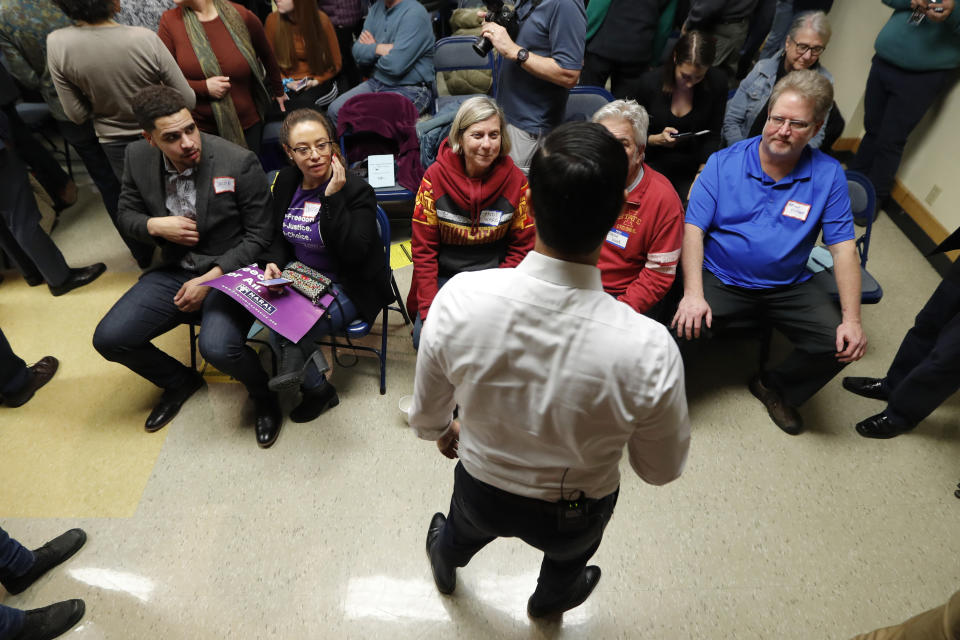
(539, 69)
(754, 215)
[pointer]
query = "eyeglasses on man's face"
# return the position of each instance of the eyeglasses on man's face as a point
(307, 151)
(794, 125)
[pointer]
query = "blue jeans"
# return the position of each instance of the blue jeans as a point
(340, 314)
(147, 311)
(782, 17)
(418, 321)
(15, 560)
(419, 95)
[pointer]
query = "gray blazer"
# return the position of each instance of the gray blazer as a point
(235, 227)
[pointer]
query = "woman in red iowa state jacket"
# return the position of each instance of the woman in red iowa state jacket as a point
(471, 211)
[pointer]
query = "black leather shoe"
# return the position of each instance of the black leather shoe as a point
(445, 577)
(268, 421)
(314, 403)
(47, 557)
(170, 403)
(51, 621)
(875, 388)
(37, 375)
(881, 427)
(78, 278)
(782, 414)
(539, 608)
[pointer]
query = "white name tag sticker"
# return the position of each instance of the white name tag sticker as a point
(798, 210)
(311, 209)
(490, 218)
(618, 238)
(224, 185)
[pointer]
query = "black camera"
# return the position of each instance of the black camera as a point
(503, 16)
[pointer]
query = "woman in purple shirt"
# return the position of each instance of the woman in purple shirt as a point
(327, 219)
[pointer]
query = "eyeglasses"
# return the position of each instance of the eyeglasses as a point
(802, 48)
(306, 152)
(793, 125)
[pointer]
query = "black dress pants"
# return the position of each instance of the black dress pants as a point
(926, 369)
(480, 513)
(804, 313)
(894, 103)
(624, 78)
(23, 239)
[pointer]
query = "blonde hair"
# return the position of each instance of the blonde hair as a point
(809, 85)
(470, 113)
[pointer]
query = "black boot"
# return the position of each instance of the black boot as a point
(315, 402)
(290, 373)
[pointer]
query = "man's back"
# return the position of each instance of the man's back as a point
(554, 375)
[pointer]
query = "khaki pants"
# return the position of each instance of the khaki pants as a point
(522, 146)
(941, 623)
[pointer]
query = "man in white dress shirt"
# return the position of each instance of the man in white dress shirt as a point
(553, 377)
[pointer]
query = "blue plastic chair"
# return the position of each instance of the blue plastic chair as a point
(863, 202)
(360, 329)
(455, 53)
(583, 101)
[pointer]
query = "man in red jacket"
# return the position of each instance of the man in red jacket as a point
(638, 261)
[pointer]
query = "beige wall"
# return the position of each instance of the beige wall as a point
(928, 161)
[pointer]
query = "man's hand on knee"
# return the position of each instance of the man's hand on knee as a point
(190, 296)
(177, 229)
(851, 341)
(693, 313)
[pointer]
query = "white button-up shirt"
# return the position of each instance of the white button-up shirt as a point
(552, 375)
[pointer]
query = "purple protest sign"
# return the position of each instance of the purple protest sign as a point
(289, 313)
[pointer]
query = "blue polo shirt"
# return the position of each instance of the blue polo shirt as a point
(553, 29)
(759, 233)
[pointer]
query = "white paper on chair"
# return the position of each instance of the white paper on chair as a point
(380, 171)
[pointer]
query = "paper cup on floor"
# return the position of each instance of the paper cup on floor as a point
(404, 405)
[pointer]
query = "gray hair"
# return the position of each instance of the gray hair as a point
(809, 85)
(816, 21)
(470, 113)
(629, 110)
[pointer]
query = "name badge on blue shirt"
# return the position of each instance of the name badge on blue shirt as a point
(618, 238)
(797, 210)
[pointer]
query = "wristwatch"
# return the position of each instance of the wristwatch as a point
(522, 56)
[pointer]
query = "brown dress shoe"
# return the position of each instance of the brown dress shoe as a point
(37, 376)
(785, 416)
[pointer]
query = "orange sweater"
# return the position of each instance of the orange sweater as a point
(302, 69)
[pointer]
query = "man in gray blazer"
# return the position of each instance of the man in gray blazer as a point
(206, 203)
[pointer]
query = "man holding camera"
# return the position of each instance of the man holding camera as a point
(540, 68)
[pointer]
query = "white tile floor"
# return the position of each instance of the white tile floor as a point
(765, 536)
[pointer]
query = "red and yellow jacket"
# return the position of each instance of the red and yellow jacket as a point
(466, 224)
(638, 260)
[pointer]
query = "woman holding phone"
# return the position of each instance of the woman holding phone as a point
(326, 219)
(686, 96)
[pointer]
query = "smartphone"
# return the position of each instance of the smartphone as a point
(678, 136)
(275, 281)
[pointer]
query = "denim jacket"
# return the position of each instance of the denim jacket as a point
(752, 95)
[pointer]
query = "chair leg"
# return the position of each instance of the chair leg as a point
(766, 338)
(383, 351)
(66, 156)
(399, 299)
(193, 346)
